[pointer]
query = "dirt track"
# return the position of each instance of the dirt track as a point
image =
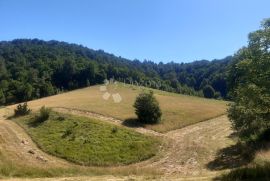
(194, 146)
(187, 155)
(105, 118)
(19, 147)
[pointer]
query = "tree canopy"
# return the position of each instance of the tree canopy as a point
(32, 68)
(250, 85)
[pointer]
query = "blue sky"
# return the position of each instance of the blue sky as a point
(157, 30)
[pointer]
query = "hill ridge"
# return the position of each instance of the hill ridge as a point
(32, 68)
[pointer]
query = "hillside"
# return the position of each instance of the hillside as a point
(200, 151)
(31, 69)
(178, 110)
(194, 146)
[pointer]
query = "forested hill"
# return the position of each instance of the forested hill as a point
(31, 69)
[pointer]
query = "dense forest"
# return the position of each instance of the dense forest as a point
(32, 68)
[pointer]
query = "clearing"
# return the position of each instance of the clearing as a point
(186, 155)
(199, 149)
(178, 110)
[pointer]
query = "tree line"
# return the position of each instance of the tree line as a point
(33, 68)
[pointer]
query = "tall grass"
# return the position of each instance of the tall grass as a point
(89, 142)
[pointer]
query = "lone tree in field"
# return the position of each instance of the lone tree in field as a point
(147, 108)
(250, 85)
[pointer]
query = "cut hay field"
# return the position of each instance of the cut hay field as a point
(178, 110)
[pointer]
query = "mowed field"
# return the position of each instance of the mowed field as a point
(178, 110)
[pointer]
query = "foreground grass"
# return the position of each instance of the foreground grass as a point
(89, 142)
(254, 172)
(11, 169)
(178, 110)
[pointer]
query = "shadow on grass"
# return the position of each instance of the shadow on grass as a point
(239, 154)
(132, 123)
(232, 157)
(255, 172)
(34, 122)
(11, 117)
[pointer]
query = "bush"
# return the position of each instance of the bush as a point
(22, 109)
(208, 91)
(44, 114)
(114, 130)
(147, 108)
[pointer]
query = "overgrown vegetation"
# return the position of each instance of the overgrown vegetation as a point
(89, 142)
(44, 114)
(147, 108)
(249, 79)
(22, 109)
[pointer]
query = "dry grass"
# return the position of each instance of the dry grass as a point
(178, 110)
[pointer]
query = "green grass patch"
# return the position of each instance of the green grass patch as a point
(87, 141)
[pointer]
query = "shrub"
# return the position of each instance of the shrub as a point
(22, 109)
(147, 108)
(114, 130)
(208, 91)
(44, 114)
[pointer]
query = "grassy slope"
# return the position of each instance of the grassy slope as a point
(87, 141)
(17, 169)
(10, 168)
(178, 110)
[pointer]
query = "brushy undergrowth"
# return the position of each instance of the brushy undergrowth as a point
(22, 109)
(87, 141)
